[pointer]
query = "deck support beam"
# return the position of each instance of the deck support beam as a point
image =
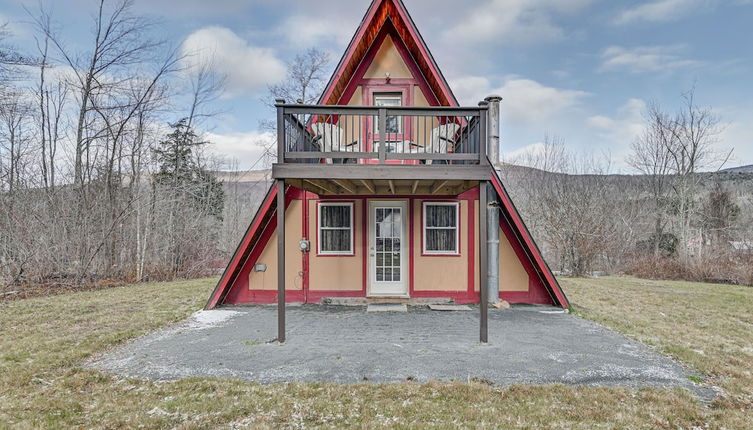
(369, 185)
(381, 172)
(438, 186)
(346, 185)
(319, 185)
(281, 260)
(482, 263)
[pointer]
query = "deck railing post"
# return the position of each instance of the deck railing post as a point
(281, 260)
(482, 263)
(281, 144)
(382, 135)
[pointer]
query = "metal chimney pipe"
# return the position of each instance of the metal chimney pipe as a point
(492, 245)
(492, 149)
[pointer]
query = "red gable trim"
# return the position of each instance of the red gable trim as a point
(243, 250)
(520, 230)
(378, 14)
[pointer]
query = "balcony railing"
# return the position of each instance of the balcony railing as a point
(381, 135)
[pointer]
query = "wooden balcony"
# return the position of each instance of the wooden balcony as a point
(381, 143)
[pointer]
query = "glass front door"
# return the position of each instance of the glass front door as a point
(387, 249)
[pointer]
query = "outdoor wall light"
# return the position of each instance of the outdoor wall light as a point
(260, 267)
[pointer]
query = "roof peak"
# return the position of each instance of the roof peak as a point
(377, 15)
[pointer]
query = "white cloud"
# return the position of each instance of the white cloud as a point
(524, 100)
(737, 135)
(246, 148)
(645, 59)
(669, 10)
(306, 31)
(513, 21)
(193, 7)
(248, 68)
(528, 152)
(621, 130)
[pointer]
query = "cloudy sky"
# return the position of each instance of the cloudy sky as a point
(581, 70)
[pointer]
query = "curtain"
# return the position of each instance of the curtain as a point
(335, 228)
(441, 228)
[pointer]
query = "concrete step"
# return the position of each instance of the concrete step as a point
(386, 307)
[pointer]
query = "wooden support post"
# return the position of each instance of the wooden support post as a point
(482, 262)
(281, 260)
(281, 144)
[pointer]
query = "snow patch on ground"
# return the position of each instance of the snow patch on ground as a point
(207, 319)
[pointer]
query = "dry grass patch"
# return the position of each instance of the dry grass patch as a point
(45, 340)
(708, 327)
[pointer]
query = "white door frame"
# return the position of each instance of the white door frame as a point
(381, 288)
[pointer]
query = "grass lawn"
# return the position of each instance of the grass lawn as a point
(43, 342)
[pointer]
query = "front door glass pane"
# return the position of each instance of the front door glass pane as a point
(388, 230)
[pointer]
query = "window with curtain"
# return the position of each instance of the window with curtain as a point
(336, 228)
(441, 228)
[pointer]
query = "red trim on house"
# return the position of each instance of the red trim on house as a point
(533, 254)
(393, 15)
(406, 96)
(365, 244)
(306, 264)
(412, 245)
(350, 51)
(472, 245)
(239, 292)
(424, 50)
(233, 290)
(231, 272)
(418, 78)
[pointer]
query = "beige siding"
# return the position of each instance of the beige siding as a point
(422, 126)
(475, 244)
(293, 258)
(388, 60)
(339, 273)
(438, 273)
(351, 124)
(512, 274)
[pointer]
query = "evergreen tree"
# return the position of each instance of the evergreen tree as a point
(183, 174)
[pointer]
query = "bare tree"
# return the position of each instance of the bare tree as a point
(304, 83)
(571, 205)
(206, 87)
(305, 79)
(651, 156)
(121, 41)
(695, 130)
(15, 114)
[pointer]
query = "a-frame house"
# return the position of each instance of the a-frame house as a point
(386, 185)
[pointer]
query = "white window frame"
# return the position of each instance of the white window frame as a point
(388, 96)
(319, 228)
(457, 228)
